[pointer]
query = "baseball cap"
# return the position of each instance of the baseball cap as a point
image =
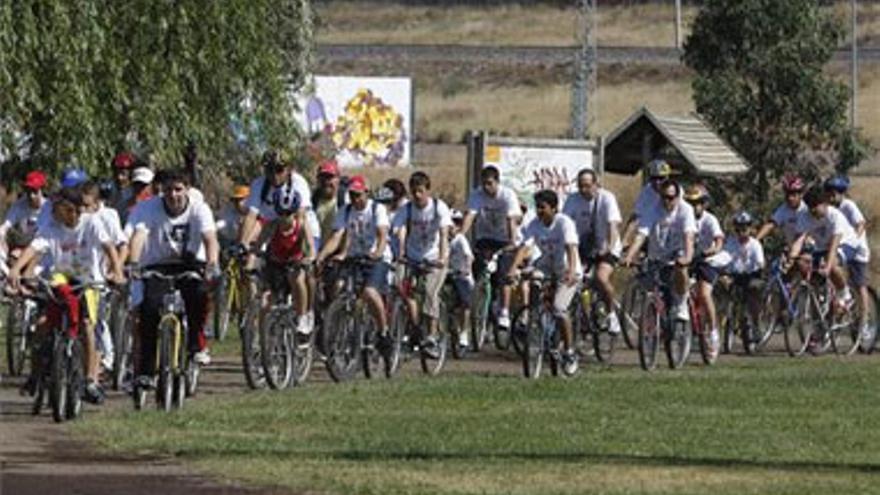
(143, 175)
(659, 168)
(240, 192)
(123, 160)
(328, 167)
(357, 184)
(35, 180)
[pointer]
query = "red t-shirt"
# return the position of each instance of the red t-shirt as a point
(285, 247)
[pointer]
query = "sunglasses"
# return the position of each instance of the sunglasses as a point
(669, 197)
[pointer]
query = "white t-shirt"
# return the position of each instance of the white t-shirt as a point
(708, 229)
(361, 227)
(822, 230)
(648, 201)
(744, 258)
(76, 251)
(26, 219)
(593, 218)
(460, 257)
(666, 231)
(854, 215)
(169, 238)
(423, 228)
(266, 209)
(786, 219)
(110, 219)
(553, 240)
(493, 213)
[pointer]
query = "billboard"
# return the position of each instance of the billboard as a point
(362, 121)
(530, 167)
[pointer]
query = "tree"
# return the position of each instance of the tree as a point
(760, 82)
(86, 78)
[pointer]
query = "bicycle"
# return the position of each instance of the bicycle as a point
(230, 296)
(700, 326)
(21, 317)
(344, 323)
(449, 295)
(62, 356)
(590, 319)
(414, 287)
(536, 328)
(734, 318)
(778, 309)
(482, 317)
(178, 373)
(286, 355)
(121, 325)
(657, 323)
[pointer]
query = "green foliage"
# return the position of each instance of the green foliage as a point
(85, 78)
(760, 82)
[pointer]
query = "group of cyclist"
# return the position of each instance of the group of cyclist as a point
(110, 232)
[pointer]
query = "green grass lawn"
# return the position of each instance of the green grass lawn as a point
(767, 425)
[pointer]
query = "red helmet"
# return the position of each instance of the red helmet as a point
(792, 183)
(123, 160)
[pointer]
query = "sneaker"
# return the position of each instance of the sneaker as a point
(463, 340)
(714, 341)
(94, 393)
(430, 347)
(569, 363)
(613, 324)
(144, 382)
(303, 326)
(202, 358)
(503, 319)
(680, 311)
(107, 362)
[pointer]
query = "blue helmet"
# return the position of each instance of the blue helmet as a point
(743, 218)
(838, 183)
(73, 177)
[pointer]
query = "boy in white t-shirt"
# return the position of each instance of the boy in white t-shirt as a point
(556, 236)
(422, 227)
(785, 216)
(461, 259)
(746, 262)
(707, 246)
(77, 246)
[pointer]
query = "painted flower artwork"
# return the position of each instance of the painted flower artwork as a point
(369, 131)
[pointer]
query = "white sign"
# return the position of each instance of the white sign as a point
(529, 169)
(363, 121)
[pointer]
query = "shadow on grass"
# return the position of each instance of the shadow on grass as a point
(571, 457)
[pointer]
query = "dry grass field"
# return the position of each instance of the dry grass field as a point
(540, 25)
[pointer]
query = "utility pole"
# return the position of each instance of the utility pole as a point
(855, 64)
(583, 95)
(678, 24)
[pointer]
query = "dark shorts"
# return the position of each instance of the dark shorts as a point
(706, 272)
(749, 282)
(857, 270)
(483, 251)
(464, 290)
(376, 276)
(589, 260)
(277, 277)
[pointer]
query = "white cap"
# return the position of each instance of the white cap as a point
(142, 175)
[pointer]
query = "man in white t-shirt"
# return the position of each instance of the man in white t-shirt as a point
(362, 227)
(556, 236)
(173, 234)
(709, 258)
(493, 210)
(670, 233)
(25, 214)
(422, 227)
(76, 247)
(597, 218)
(785, 217)
(648, 200)
(835, 243)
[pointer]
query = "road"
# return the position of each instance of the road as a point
(523, 54)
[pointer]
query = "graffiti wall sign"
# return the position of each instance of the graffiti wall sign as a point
(527, 169)
(364, 121)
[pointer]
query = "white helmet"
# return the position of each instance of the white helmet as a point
(286, 199)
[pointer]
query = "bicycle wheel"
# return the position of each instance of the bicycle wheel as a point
(604, 342)
(529, 326)
(58, 380)
(770, 318)
(397, 329)
(844, 331)
(277, 355)
(453, 324)
(480, 315)
(501, 337)
(76, 379)
(122, 325)
(223, 294)
(342, 341)
(872, 317)
(799, 333)
(191, 375)
(371, 359)
(433, 364)
(678, 343)
(649, 333)
(630, 313)
(251, 348)
(165, 383)
(303, 356)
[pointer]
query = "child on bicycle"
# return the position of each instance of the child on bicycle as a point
(835, 244)
(707, 245)
(77, 246)
(288, 239)
(461, 259)
(423, 230)
(746, 262)
(556, 236)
